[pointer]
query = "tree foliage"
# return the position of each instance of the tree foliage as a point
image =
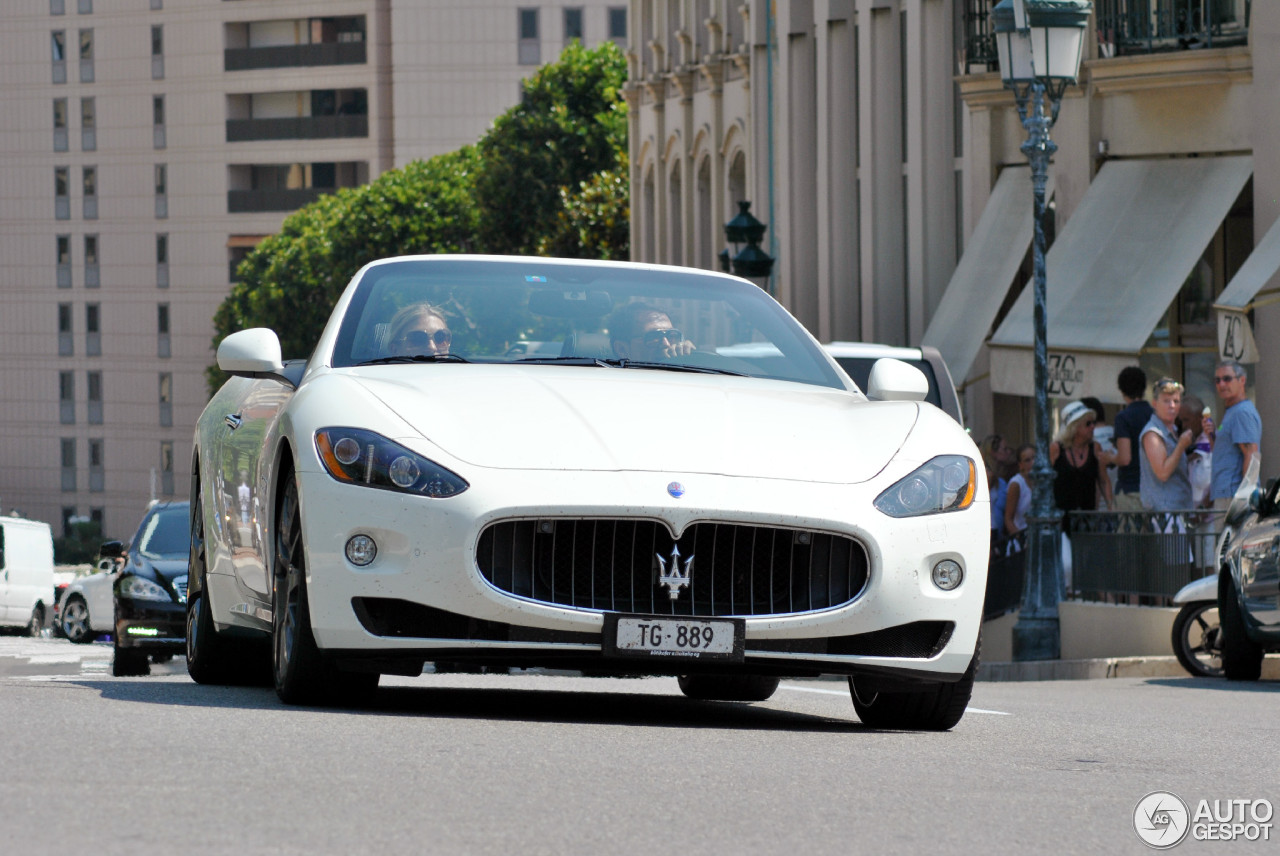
(80, 546)
(550, 177)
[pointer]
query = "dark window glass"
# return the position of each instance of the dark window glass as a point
(92, 318)
(162, 318)
(528, 23)
(572, 24)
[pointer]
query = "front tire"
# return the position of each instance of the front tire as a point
(1197, 639)
(35, 625)
(729, 687)
(301, 674)
(210, 658)
(1241, 656)
(937, 706)
(129, 663)
(75, 621)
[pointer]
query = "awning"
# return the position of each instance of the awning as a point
(1115, 269)
(1235, 335)
(981, 280)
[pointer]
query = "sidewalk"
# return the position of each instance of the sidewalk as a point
(1109, 667)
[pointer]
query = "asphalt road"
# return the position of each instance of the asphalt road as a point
(533, 764)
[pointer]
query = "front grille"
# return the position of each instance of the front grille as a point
(613, 565)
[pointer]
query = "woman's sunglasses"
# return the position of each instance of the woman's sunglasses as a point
(421, 338)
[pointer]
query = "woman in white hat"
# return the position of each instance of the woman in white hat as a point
(1074, 455)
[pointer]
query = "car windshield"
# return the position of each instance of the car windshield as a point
(166, 534)
(451, 311)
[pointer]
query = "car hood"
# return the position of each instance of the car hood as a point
(169, 569)
(606, 419)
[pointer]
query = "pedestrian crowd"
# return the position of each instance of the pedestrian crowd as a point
(1166, 455)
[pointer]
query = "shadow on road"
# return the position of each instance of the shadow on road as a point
(1219, 684)
(498, 703)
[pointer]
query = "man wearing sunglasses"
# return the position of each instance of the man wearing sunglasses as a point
(644, 333)
(1238, 436)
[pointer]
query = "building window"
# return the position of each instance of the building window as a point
(157, 121)
(530, 47)
(60, 125)
(66, 344)
(64, 261)
(86, 56)
(95, 397)
(59, 43)
(68, 516)
(162, 330)
(68, 464)
(166, 400)
(157, 4)
(57, 7)
(96, 475)
(62, 192)
(93, 329)
(67, 398)
(572, 24)
(90, 183)
(157, 53)
(91, 261)
(88, 125)
(85, 7)
(162, 260)
(166, 467)
(618, 25)
(162, 191)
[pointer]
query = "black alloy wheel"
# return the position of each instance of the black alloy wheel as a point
(210, 658)
(75, 620)
(1241, 656)
(936, 706)
(1197, 639)
(301, 674)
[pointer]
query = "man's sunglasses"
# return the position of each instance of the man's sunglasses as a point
(656, 337)
(1225, 378)
(421, 338)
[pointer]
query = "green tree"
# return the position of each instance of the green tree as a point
(80, 546)
(594, 221)
(571, 124)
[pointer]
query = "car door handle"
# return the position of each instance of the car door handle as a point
(233, 420)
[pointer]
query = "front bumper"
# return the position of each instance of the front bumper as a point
(152, 626)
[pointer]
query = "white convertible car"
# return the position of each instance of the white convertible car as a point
(685, 484)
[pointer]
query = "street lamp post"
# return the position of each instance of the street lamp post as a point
(750, 262)
(1040, 44)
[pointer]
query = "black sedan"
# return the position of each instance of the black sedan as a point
(1249, 584)
(150, 592)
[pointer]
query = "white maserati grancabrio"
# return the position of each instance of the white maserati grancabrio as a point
(611, 467)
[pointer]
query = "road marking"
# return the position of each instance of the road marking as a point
(846, 692)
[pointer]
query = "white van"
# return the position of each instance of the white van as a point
(26, 573)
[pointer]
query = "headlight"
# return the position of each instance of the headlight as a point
(946, 483)
(141, 588)
(362, 457)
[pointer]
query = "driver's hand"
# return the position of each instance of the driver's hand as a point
(679, 349)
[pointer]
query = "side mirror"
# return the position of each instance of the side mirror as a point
(894, 380)
(111, 550)
(250, 353)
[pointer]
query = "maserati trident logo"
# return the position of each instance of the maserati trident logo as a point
(679, 576)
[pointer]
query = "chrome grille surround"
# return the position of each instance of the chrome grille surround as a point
(612, 565)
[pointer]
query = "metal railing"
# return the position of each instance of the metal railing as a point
(1147, 26)
(1133, 557)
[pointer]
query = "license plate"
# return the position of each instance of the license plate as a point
(674, 637)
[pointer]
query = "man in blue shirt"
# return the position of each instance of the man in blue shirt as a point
(1238, 436)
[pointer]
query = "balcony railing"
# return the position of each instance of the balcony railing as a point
(248, 201)
(291, 56)
(297, 128)
(1147, 26)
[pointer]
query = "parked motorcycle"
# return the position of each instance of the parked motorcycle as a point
(1197, 635)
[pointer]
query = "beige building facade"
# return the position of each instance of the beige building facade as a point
(148, 145)
(877, 142)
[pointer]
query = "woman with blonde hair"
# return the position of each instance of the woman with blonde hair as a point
(418, 329)
(1081, 478)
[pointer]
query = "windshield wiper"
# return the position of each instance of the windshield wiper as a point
(671, 367)
(416, 358)
(565, 361)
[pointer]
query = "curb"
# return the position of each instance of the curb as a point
(1108, 667)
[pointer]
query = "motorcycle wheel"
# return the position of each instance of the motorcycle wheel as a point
(1197, 639)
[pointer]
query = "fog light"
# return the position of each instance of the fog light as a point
(947, 574)
(361, 550)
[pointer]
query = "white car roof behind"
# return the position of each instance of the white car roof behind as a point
(871, 349)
